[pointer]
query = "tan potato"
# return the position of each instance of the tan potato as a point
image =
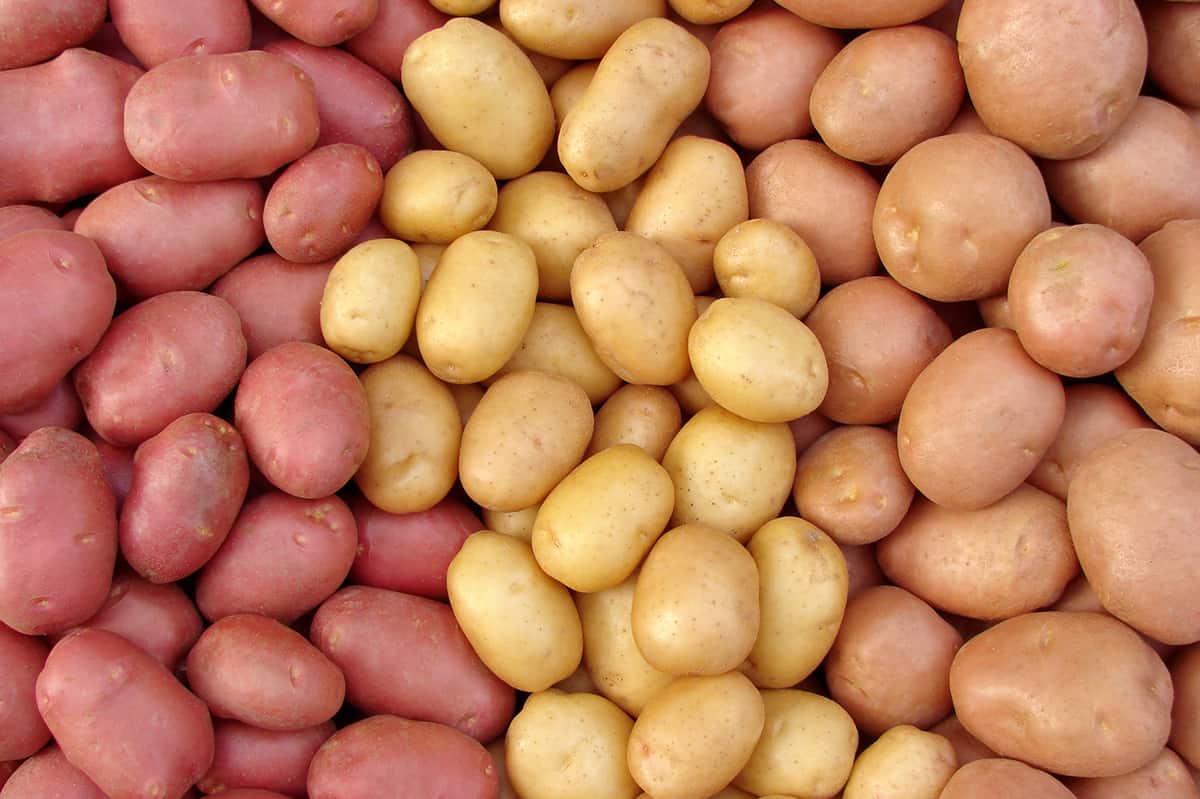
(428, 256)
(649, 80)
(577, 682)
(517, 523)
(729, 473)
(370, 301)
(645, 416)
(569, 89)
(466, 397)
(522, 624)
(620, 201)
(903, 763)
(709, 12)
(548, 68)
(767, 260)
(529, 430)
(435, 196)
(1174, 59)
(574, 32)
(992, 777)
(1164, 777)
(1185, 727)
(803, 584)
(598, 523)
(862, 13)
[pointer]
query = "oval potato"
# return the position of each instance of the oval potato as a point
(645, 416)
(435, 196)
(768, 260)
(370, 301)
(903, 763)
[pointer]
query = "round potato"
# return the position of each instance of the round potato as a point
(990, 777)
(860, 13)
(370, 301)
(435, 196)
(645, 416)
(995, 311)
(903, 763)
(767, 260)
(1185, 727)
(573, 32)
(1164, 777)
(517, 523)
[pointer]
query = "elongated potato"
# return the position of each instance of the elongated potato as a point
(574, 32)
(904, 763)
(370, 301)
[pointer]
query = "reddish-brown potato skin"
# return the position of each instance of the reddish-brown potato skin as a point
(58, 299)
(22, 731)
(37, 30)
(117, 463)
(1173, 29)
(779, 54)
(890, 662)
(862, 567)
(7, 445)
(62, 136)
(1056, 78)
(277, 300)
(284, 557)
(58, 533)
(1063, 708)
(862, 13)
(156, 31)
(122, 718)
(406, 655)
(253, 669)
(397, 23)
(59, 408)
(807, 429)
(49, 775)
(16, 219)
(1164, 777)
(318, 22)
(967, 747)
(159, 235)
(373, 756)
(273, 760)
(978, 420)
(1000, 778)
(215, 117)
(177, 353)
(1185, 729)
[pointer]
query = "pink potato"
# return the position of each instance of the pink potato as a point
(406, 655)
(303, 415)
(177, 353)
(107, 41)
(273, 760)
(62, 136)
(122, 718)
(214, 117)
(157, 31)
(278, 300)
(37, 30)
(58, 298)
(59, 408)
(16, 219)
(397, 23)
(320, 22)
(22, 731)
(159, 235)
(371, 757)
(49, 775)
(1164, 777)
(58, 533)
(284, 556)
(118, 465)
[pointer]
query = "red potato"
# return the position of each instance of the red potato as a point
(58, 299)
(967, 747)
(253, 669)
(107, 41)
(6, 770)
(117, 463)
(374, 756)
(1080, 597)
(177, 353)
(49, 775)
(62, 136)
(38, 30)
(58, 533)
(808, 429)
(277, 300)
(122, 718)
(215, 117)
(1185, 713)
(60, 408)
(283, 557)
(996, 778)
(156, 31)
(862, 568)
(1172, 29)
(397, 23)
(1164, 777)
(303, 415)
(272, 760)
(319, 22)
(22, 731)
(159, 235)
(7, 445)
(406, 655)
(16, 219)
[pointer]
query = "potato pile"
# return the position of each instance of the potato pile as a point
(600, 399)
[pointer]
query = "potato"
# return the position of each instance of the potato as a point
(695, 735)
(1056, 78)
(870, 14)
(644, 416)
(277, 300)
(802, 595)
(59, 300)
(826, 199)
(1032, 712)
(122, 719)
(505, 122)
(709, 12)
(1185, 678)
(890, 662)
(904, 763)
(862, 568)
(768, 261)
(574, 33)
(967, 748)
(370, 300)
(46, 774)
(317, 23)
(37, 31)
(436, 196)
(397, 24)
(625, 119)
(1164, 777)
(373, 634)
(59, 408)
(1000, 777)
(159, 31)
(968, 436)
(567, 91)
(729, 473)
(248, 757)
(517, 523)
(569, 746)
(16, 219)
(1173, 56)
(22, 731)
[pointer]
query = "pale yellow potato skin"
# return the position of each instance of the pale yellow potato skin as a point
(517, 523)
(709, 12)
(412, 459)
(370, 301)
(462, 8)
(903, 763)
(466, 397)
(428, 256)
(768, 260)
(435, 196)
(652, 77)
(521, 623)
(479, 94)
(646, 416)
(569, 89)
(574, 30)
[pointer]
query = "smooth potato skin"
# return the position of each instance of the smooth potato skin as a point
(1173, 59)
(1185, 677)
(645, 416)
(277, 300)
(22, 731)
(574, 33)
(160, 30)
(249, 757)
(145, 731)
(49, 774)
(1164, 777)
(859, 14)
(398, 23)
(998, 777)
(36, 31)
(16, 219)
(317, 23)
(60, 408)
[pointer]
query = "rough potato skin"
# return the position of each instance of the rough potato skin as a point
(37, 30)
(156, 31)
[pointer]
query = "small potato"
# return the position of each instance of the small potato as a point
(48, 774)
(435, 196)
(903, 763)
(521, 623)
(695, 735)
(992, 777)
(517, 523)
(967, 748)
(859, 14)
(803, 584)
(568, 90)
(316, 22)
(161, 31)
(574, 32)
(505, 122)
(370, 301)
(22, 731)
(730, 474)
(249, 757)
(36, 31)
(645, 416)
(1032, 712)
(649, 80)
(1185, 729)
(767, 260)
(1164, 777)
(569, 746)
(1173, 56)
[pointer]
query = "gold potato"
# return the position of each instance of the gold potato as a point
(466, 397)
(370, 301)
(709, 12)
(903, 763)
(569, 89)
(574, 31)
(462, 8)
(645, 416)
(428, 256)
(768, 260)
(517, 523)
(435, 196)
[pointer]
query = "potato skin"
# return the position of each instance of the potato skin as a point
(16, 219)
(990, 777)
(1173, 58)
(158, 31)
(1185, 678)
(398, 23)
(317, 23)
(145, 731)
(436, 196)
(912, 763)
(22, 731)
(1164, 777)
(277, 300)
(645, 416)
(370, 300)
(249, 757)
(857, 14)
(48, 774)
(582, 33)
(37, 31)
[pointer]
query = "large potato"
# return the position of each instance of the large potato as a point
(1164, 777)
(435, 196)
(22, 731)
(36, 30)
(992, 777)
(645, 416)
(903, 763)
(160, 30)
(249, 757)
(278, 301)
(574, 32)
(860, 14)
(370, 300)
(319, 23)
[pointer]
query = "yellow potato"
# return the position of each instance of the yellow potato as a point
(529, 430)
(412, 459)
(595, 527)
(574, 30)
(549, 68)
(517, 523)
(577, 682)
(709, 12)
(496, 750)
(768, 260)
(617, 666)
(466, 397)
(645, 416)
(569, 746)
(428, 256)
(757, 360)
(462, 8)
(370, 301)
(807, 747)
(903, 763)
(435, 196)
(695, 735)
(569, 89)
(477, 306)
(730, 474)
(620, 201)
(803, 585)
(479, 94)
(557, 219)
(522, 624)
(649, 80)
